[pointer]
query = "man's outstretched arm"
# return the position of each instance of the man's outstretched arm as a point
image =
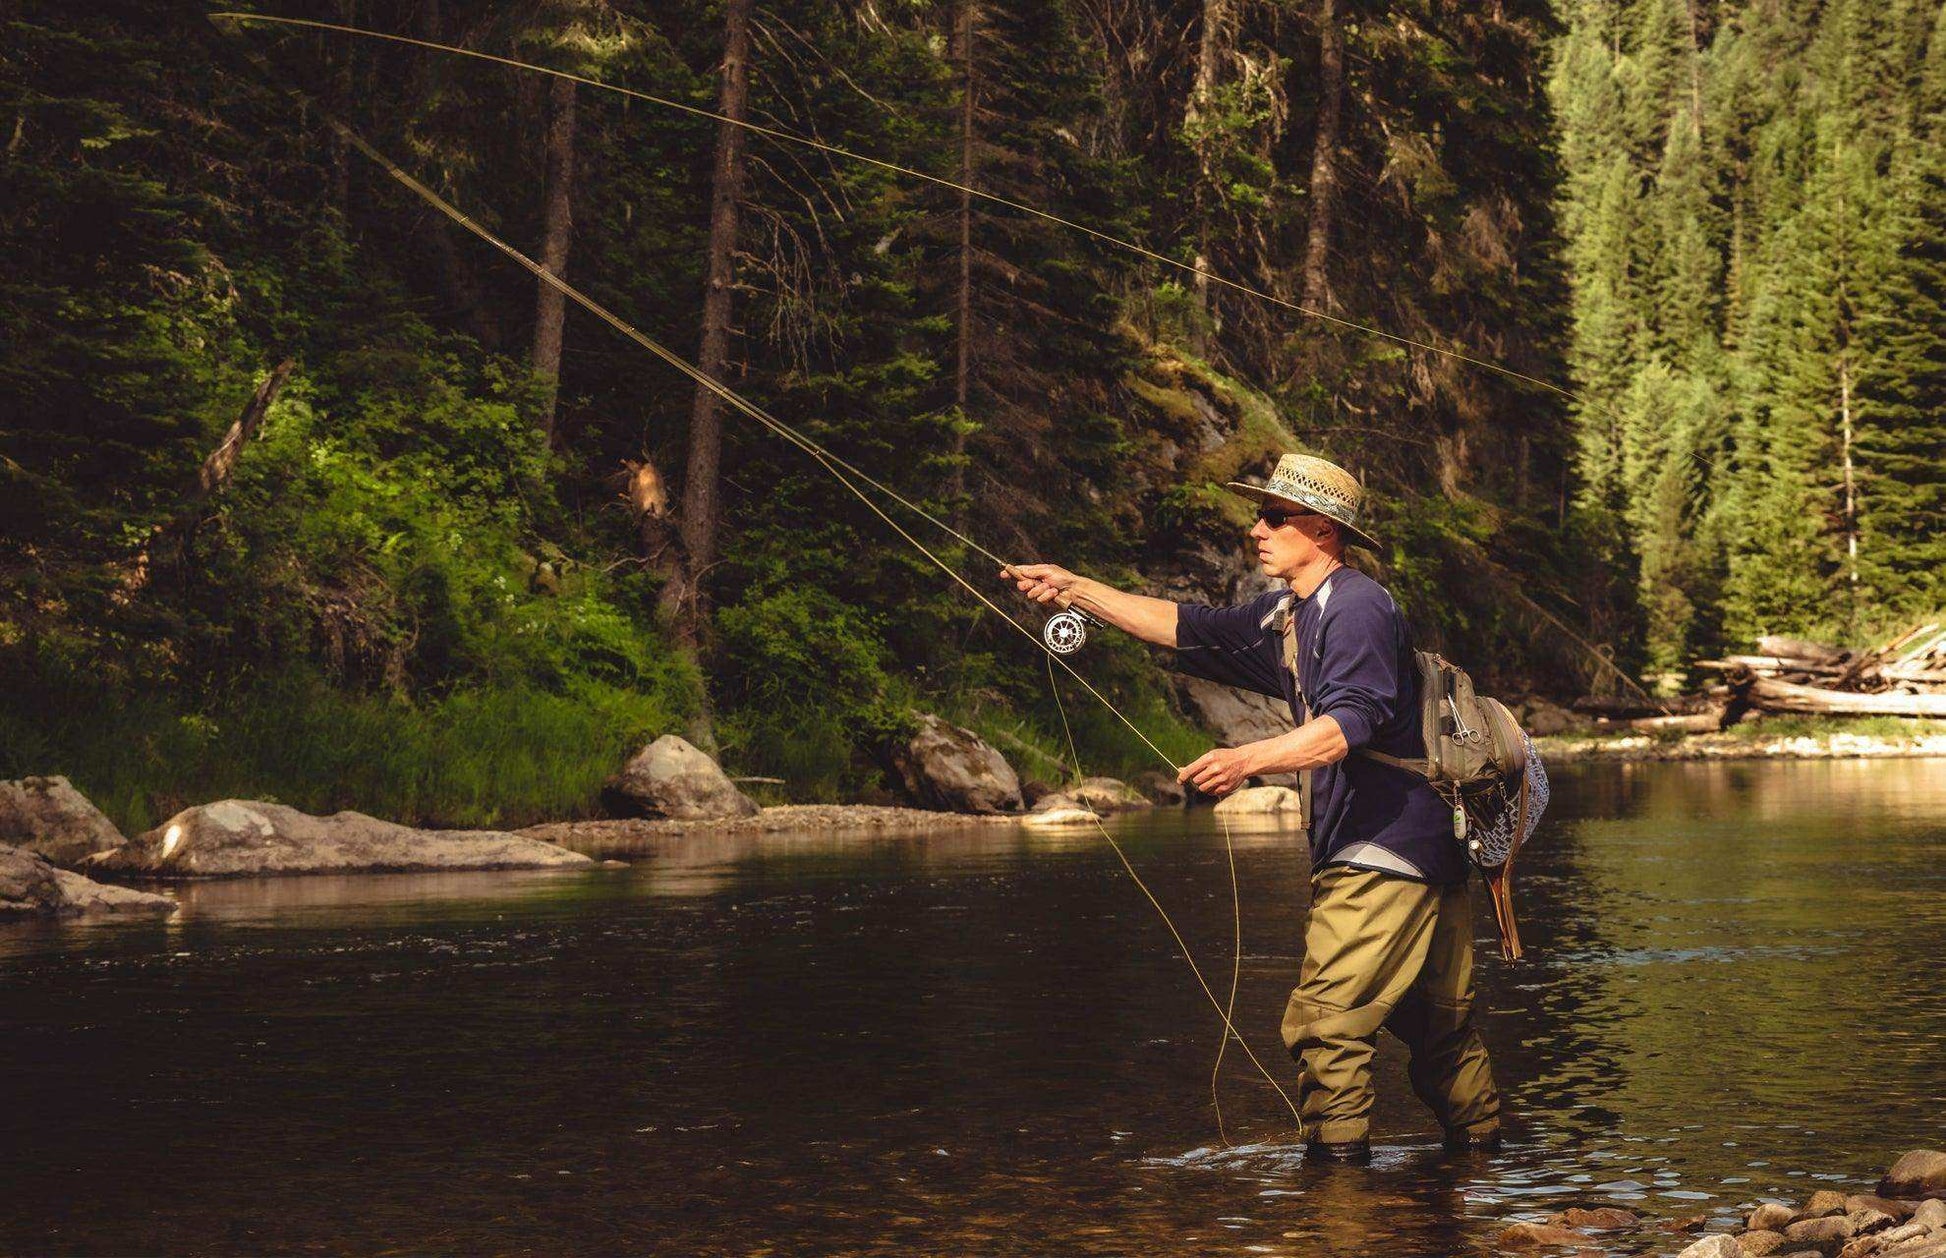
(1150, 619)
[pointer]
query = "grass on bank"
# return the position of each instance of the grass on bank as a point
(475, 758)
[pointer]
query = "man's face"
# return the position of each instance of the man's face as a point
(1287, 538)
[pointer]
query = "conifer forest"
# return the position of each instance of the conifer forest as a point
(307, 492)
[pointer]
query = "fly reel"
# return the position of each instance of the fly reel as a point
(1067, 631)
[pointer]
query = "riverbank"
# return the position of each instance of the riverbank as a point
(773, 819)
(1772, 738)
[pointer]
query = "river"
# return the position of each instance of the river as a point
(976, 1041)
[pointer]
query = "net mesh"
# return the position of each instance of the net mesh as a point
(1496, 840)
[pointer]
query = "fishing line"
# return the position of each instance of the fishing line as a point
(838, 468)
(1236, 969)
(787, 137)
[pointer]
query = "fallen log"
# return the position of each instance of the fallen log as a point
(1632, 709)
(1690, 723)
(1799, 649)
(1771, 695)
(1773, 664)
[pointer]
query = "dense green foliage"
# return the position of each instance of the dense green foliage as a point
(419, 594)
(1753, 212)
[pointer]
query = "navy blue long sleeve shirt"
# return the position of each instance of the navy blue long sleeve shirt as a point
(1355, 664)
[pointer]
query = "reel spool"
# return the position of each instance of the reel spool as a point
(1066, 631)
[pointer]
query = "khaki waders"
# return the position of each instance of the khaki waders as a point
(1381, 950)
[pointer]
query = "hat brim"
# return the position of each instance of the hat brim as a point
(1353, 535)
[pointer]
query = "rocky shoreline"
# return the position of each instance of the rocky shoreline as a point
(1567, 749)
(1903, 1217)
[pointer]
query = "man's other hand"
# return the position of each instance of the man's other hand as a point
(1041, 582)
(1219, 770)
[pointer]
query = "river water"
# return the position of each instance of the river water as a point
(975, 1041)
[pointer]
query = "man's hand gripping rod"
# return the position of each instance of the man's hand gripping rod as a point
(1066, 631)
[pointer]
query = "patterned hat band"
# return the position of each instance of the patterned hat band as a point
(1322, 486)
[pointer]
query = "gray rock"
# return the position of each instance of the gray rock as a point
(29, 884)
(954, 770)
(1058, 801)
(1233, 716)
(1871, 1201)
(1824, 1201)
(1920, 1173)
(1161, 788)
(46, 815)
(1869, 1220)
(236, 838)
(1535, 1235)
(1819, 1231)
(1543, 719)
(1719, 1246)
(1108, 795)
(1771, 1216)
(1259, 800)
(671, 778)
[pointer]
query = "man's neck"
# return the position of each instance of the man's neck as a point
(1305, 582)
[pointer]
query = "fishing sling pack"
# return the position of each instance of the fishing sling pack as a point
(1477, 758)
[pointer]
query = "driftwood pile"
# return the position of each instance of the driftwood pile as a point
(1904, 677)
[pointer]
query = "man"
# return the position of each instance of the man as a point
(1389, 937)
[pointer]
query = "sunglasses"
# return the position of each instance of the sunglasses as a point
(1278, 517)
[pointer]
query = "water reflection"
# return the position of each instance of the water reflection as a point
(969, 1041)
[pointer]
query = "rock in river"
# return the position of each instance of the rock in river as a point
(49, 817)
(671, 778)
(236, 838)
(1254, 800)
(1108, 795)
(28, 884)
(1920, 1173)
(954, 770)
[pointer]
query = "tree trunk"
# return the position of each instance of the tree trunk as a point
(345, 86)
(681, 599)
(1209, 63)
(1324, 158)
(461, 276)
(550, 306)
(963, 19)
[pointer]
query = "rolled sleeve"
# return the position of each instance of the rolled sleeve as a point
(1358, 674)
(1229, 645)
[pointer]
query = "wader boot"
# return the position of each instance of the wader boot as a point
(1381, 950)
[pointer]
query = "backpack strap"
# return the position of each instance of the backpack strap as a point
(1286, 626)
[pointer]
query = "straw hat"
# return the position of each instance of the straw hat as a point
(1322, 486)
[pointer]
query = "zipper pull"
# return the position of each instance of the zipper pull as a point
(1459, 823)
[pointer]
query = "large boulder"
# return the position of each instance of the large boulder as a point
(954, 770)
(1920, 1173)
(1234, 716)
(29, 884)
(1251, 801)
(49, 817)
(671, 778)
(236, 838)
